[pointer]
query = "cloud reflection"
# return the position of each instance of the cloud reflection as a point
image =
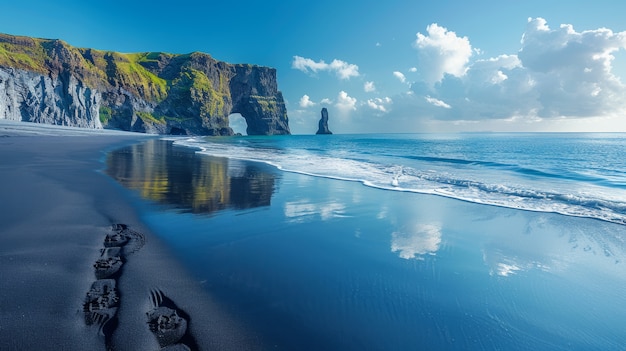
(417, 241)
(304, 210)
(505, 269)
(508, 266)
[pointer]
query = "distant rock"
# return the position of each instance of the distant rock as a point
(52, 82)
(323, 124)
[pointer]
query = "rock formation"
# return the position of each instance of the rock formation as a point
(49, 81)
(323, 124)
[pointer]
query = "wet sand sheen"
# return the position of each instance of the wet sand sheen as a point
(79, 269)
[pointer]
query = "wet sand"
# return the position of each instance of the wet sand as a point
(79, 270)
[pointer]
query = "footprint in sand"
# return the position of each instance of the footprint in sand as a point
(103, 298)
(169, 324)
(107, 267)
(101, 302)
(129, 241)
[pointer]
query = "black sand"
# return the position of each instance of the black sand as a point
(78, 270)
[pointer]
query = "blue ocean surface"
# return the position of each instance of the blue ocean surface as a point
(391, 242)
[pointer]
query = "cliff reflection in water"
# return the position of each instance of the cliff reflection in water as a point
(173, 175)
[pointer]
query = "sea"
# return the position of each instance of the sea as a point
(469, 241)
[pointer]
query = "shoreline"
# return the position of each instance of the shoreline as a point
(60, 210)
(519, 188)
(221, 254)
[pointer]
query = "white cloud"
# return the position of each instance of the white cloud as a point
(345, 103)
(560, 79)
(568, 73)
(558, 74)
(437, 102)
(492, 70)
(413, 69)
(305, 101)
(379, 104)
(400, 76)
(342, 69)
(442, 52)
(326, 101)
(369, 87)
(306, 64)
(499, 77)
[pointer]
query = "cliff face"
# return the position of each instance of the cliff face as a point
(49, 81)
(29, 96)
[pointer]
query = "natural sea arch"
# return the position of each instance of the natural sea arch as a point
(238, 123)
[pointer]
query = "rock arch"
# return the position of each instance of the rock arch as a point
(256, 97)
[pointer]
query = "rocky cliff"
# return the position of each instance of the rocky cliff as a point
(49, 81)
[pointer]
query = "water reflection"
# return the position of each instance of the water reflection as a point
(416, 241)
(524, 241)
(174, 175)
(307, 211)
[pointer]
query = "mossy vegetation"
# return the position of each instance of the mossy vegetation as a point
(199, 89)
(105, 114)
(23, 53)
(152, 56)
(148, 117)
(124, 70)
(268, 104)
(177, 119)
(95, 57)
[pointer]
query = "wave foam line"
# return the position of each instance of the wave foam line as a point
(381, 177)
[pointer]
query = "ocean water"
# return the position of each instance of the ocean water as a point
(390, 242)
(573, 174)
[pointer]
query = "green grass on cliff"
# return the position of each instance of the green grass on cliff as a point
(146, 82)
(152, 56)
(201, 90)
(105, 114)
(124, 70)
(148, 117)
(268, 103)
(177, 119)
(23, 53)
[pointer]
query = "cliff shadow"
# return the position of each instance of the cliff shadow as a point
(177, 176)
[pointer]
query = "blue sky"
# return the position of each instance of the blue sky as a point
(390, 66)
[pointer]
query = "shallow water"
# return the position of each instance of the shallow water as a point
(314, 263)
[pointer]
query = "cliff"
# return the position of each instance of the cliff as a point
(50, 81)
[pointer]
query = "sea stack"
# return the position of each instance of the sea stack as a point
(323, 124)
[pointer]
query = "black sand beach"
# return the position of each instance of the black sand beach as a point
(177, 250)
(60, 218)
